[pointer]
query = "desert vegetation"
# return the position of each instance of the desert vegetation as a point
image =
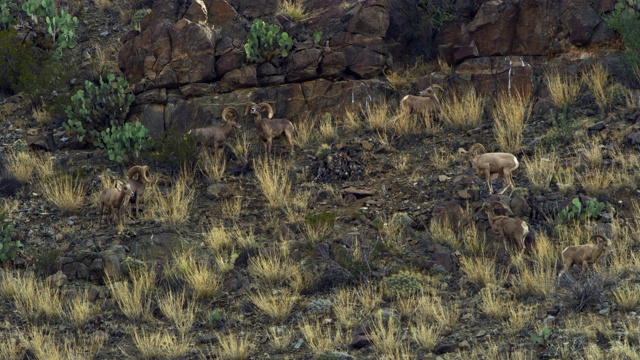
(363, 232)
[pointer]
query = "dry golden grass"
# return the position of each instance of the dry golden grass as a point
(351, 121)
(65, 192)
(241, 148)
(212, 165)
(160, 344)
(134, 300)
(23, 165)
(442, 233)
(41, 115)
(295, 10)
(538, 281)
(593, 352)
(272, 270)
(10, 348)
(320, 337)
(173, 206)
(632, 99)
(627, 296)
(564, 178)
(591, 152)
(463, 112)
(178, 310)
(376, 117)
(494, 304)
(244, 239)
(406, 305)
(385, 334)
(597, 79)
(327, 130)
(431, 127)
(233, 346)
(103, 4)
(280, 338)
(480, 270)
(546, 253)
(79, 310)
(306, 132)
(441, 158)
(540, 169)
(510, 114)
(273, 181)
(204, 281)
(33, 299)
(346, 309)
(218, 238)
(564, 89)
(394, 232)
(103, 61)
(403, 125)
(276, 304)
(317, 232)
(225, 260)
(401, 162)
(596, 181)
(43, 345)
(427, 336)
(624, 350)
(432, 310)
(398, 80)
(232, 208)
(518, 317)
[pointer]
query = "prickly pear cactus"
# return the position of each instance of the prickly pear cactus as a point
(404, 283)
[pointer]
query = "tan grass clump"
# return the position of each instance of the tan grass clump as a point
(426, 336)
(44, 345)
(351, 121)
(134, 300)
(233, 346)
(385, 334)
(494, 303)
(596, 181)
(563, 88)
(276, 304)
(306, 132)
(540, 169)
(178, 310)
(517, 318)
(23, 165)
(320, 337)
(280, 338)
(10, 347)
(274, 181)
(32, 298)
(463, 112)
(510, 114)
(537, 281)
(80, 310)
(65, 192)
(295, 10)
(480, 270)
(41, 115)
(212, 165)
(218, 238)
(627, 297)
(205, 282)
(442, 233)
(272, 270)
(376, 117)
(441, 158)
(597, 79)
(160, 344)
(173, 206)
(241, 148)
(398, 80)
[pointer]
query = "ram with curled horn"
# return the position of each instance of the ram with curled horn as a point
(270, 128)
(218, 135)
(486, 164)
(585, 254)
(425, 104)
(138, 177)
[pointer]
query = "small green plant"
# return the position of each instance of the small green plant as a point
(542, 337)
(176, 150)
(6, 16)
(213, 317)
(62, 30)
(317, 36)
(561, 132)
(323, 219)
(264, 41)
(98, 107)
(138, 16)
(124, 143)
(576, 212)
(403, 284)
(39, 9)
(437, 12)
(625, 19)
(8, 247)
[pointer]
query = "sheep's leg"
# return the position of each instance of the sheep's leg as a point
(288, 135)
(100, 218)
(487, 179)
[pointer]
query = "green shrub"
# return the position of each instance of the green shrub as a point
(6, 17)
(39, 9)
(138, 16)
(576, 212)
(98, 107)
(8, 247)
(62, 30)
(561, 132)
(124, 143)
(403, 284)
(176, 150)
(264, 41)
(625, 19)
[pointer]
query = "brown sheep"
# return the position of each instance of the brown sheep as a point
(218, 135)
(426, 103)
(112, 199)
(491, 163)
(269, 128)
(138, 185)
(506, 227)
(584, 254)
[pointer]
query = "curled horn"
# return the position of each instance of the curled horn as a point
(599, 237)
(142, 171)
(118, 184)
(461, 151)
(267, 107)
(436, 86)
(230, 111)
(476, 146)
(249, 105)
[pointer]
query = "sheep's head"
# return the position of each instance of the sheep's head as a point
(231, 115)
(266, 107)
(603, 243)
(252, 108)
(143, 172)
(122, 185)
(431, 90)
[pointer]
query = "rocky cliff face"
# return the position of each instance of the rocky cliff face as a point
(187, 62)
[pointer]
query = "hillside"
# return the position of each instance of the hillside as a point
(370, 240)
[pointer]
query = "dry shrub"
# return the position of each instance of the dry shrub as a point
(212, 165)
(597, 79)
(463, 112)
(295, 10)
(174, 205)
(306, 132)
(233, 346)
(320, 337)
(23, 165)
(134, 300)
(596, 181)
(510, 114)
(65, 192)
(376, 117)
(276, 304)
(480, 270)
(274, 181)
(563, 88)
(178, 310)
(160, 344)
(540, 169)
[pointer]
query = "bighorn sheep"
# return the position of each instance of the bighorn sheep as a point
(270, 128)
(506, 227)
(138, 185)
(113, 198)
(492, 163)
(218, 135)
(584, 254)
(424, 104)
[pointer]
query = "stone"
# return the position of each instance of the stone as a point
(39, 139)
(57, 280)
